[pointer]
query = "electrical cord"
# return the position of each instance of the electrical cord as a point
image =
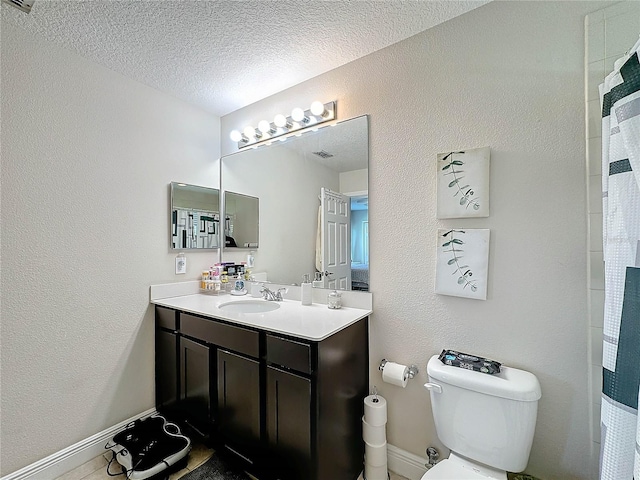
(170, 429)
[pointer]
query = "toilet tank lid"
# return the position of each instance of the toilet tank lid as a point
(510, 383)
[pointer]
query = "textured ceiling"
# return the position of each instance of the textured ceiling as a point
(224, 55)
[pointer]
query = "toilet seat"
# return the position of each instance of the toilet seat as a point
(458, 468)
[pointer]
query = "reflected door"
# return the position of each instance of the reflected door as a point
(336, 239)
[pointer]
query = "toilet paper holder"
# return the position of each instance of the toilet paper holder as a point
(412, 372)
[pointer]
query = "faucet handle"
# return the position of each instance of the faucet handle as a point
(279, 293)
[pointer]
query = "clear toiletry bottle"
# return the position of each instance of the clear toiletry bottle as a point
(307, 291)
(334, 300)
(225, 286)
(205, 280)
(317, 281)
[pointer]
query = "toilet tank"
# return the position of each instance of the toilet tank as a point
(487, 418)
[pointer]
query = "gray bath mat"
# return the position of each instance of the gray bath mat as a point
(216, 469)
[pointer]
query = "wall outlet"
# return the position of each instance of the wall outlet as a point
(181, 264)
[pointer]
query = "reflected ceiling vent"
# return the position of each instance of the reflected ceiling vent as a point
(323, 154)
(24, 5)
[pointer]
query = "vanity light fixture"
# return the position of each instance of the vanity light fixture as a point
(318, 110)
(236, 136)
(299, 121)
(267, 128)
(281, 121)
(251, 132)
(298, 115)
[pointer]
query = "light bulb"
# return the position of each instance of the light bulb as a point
(297, 114)
(280, 120)
(235, 135)
(249, 131)
(264, 126)
(317, 109)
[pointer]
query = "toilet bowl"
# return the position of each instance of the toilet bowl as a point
(487, 421)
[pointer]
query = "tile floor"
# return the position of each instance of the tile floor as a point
(96, 469)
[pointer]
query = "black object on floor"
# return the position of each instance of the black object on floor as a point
(148, 447)
(216, 469)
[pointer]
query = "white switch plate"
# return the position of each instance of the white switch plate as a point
(181, 264)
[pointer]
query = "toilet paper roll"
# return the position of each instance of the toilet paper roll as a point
(375, 410)
(373, 434)
(395, 374)
(373, 472)
(375, 455)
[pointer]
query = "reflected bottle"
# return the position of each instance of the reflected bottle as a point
(306, 287)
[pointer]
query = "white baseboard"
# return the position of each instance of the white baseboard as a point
(405, 463)
(399, 461)
(71, 457)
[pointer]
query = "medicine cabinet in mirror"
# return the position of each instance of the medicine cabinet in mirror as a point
(241, 220)
(195, 217)
(313, 208)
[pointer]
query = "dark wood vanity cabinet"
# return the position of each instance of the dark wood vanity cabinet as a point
(239, 400)
(289, 407)
(288, 419)
(195, 386)
(166, 342)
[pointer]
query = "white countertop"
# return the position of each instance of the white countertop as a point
(313, 322)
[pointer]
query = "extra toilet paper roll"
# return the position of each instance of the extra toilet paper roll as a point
(373, 472)
(395, 374)
(375, 455)
(373, 435)
(375, 410)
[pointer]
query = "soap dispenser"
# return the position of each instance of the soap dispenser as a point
(306, 287)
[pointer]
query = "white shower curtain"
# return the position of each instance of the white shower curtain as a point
(620, 438)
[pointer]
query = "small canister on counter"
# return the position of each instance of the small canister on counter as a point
(205, 279)
(334, 300)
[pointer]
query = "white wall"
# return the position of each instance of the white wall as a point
(508, 75)
(87, 157)
(354, 181)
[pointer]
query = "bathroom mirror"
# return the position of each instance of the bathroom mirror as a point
(195, 217)
(289, 178)
(241, 220)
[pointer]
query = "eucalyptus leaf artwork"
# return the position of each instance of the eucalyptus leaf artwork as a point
(463, 263)
(463, 183)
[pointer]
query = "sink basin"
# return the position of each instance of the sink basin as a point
(249, 306)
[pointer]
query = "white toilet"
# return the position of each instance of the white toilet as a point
(487, 421)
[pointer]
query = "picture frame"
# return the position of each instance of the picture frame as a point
(463, 183)
(462, 262)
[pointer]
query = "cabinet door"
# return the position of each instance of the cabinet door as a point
(239, 398)
(195, 397)
(288, 419)
(166, 369)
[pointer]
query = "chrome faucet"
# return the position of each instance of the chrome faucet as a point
(271, 295)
